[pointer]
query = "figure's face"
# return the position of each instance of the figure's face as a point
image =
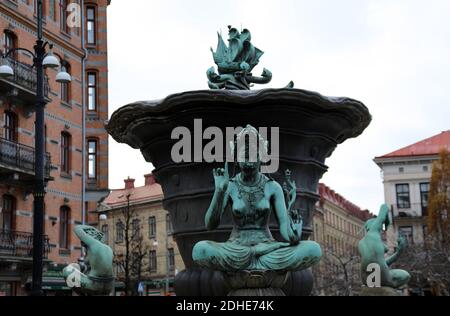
(248, 165)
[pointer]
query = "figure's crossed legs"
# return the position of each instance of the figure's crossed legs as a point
(233, 257)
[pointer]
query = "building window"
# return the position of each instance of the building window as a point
(153, 262)
(407, 232)
(105, 231)
(425, 232)
(92, 91)
(169, 225)
(64, 15)
(43, 8)
(10, 128)
(64, 229)
(424, 196)
(91, 26)
(9, 43)
(171, 255)
(51, 9)
(7, 215)
(92, 159)
(45, 136)
(119, 232)
(136, 229)
(403, 200)
(6, 289)
(65, 152)
(152, 227)
(65, 86)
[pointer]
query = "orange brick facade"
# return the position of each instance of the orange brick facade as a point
(63, 117)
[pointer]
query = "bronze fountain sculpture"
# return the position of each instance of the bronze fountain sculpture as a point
(241, 247)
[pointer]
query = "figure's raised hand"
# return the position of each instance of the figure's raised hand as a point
(221, 178)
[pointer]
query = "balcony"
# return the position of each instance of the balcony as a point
(414, 211)
(20, 245)
(17, 163)
(22, 86)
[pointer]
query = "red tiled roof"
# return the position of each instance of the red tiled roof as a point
(147, 193)
(328, 194)
(426, 147)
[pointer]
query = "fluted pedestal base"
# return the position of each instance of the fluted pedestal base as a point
(203, 282)
(257, 283)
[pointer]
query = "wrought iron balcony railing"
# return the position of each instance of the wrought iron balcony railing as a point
(21, 157)
(19, 244)
(411, 210)
(25, 76)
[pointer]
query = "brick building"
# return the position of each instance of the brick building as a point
(147, 218)
(338, 228)
(76, 142)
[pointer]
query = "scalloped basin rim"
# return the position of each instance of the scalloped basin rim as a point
(122, 118)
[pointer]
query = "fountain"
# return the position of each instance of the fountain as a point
(311, 126)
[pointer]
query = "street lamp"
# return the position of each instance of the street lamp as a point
(41, 60)
(5, 70)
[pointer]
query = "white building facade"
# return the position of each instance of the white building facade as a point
(406, 177)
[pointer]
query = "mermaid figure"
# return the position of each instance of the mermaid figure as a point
(252, 197)
(95, 276)
(372, 250)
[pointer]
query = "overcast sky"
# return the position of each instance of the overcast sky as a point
(393, 55)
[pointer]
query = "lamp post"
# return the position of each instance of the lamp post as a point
(41, 60)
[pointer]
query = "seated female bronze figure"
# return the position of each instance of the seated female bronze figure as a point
(252, 197)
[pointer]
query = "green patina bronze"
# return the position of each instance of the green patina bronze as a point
(372, 250)
(235, 63)
(252, 196)
(95, 276)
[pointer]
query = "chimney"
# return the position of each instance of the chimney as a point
(149, 179)
(129, 183)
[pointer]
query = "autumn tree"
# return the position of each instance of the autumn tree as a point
(429, 263)
(439, 200)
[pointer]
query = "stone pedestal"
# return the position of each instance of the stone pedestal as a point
(380, 291)
(203, 282)
(257, 283)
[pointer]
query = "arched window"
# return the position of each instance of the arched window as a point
(9, 42)
(66, 140)
(64, 227)
(10, 126)
(65, 86)
(7, 216)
